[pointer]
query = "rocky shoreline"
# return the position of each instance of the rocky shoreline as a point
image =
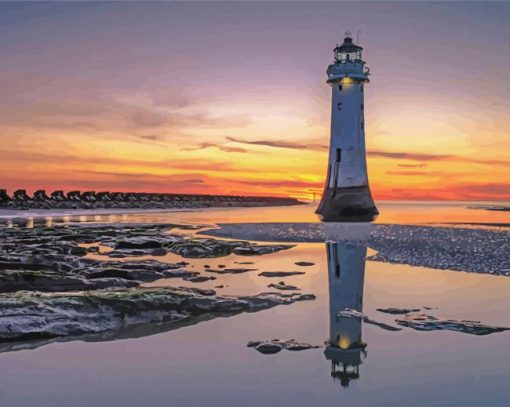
(21, 200)
(72, 280)
(34, 316)
(55, 258)
(444, 248)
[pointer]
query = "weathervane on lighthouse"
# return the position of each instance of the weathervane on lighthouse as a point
(346, 196)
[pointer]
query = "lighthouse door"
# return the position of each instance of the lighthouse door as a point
(338, 158)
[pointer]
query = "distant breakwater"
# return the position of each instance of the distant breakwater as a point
(20, 199)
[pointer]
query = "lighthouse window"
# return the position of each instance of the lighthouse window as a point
(339, 106)
(362, 106)
(337, 270)
(361, 88)
(338, 155)
(340, 88)
(362, 125)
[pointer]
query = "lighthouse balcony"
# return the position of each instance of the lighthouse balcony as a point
(343, 356)
(354, 71)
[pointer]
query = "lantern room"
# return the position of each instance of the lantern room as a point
(348, 51)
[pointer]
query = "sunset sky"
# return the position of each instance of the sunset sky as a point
(231, 98)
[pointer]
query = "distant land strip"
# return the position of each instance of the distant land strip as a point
(131, 200)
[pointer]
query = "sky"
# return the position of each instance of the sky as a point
(231, 98)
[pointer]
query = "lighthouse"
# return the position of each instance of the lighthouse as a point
(346, 196)
(346, 269)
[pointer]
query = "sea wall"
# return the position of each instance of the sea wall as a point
(20, 199)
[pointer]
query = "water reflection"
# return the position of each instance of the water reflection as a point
(346, 273)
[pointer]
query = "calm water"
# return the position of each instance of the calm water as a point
(209, 363)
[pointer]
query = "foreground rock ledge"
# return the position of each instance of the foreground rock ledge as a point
(29, 316)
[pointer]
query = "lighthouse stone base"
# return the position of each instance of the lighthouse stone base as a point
(352, 204)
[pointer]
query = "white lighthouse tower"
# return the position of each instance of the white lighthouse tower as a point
(346, 196)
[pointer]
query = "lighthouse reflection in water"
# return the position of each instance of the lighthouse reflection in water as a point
(346, 251)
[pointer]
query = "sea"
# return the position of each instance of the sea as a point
(355, 364)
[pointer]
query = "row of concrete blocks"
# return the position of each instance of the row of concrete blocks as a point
(40, 195)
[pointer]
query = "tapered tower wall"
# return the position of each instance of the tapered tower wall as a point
(347, 195)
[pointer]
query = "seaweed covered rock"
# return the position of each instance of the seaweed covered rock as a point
(26, 316)
(423, 322)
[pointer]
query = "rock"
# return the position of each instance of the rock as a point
(304, 263)
(282, 286)
(423, 322)
(398, 311)
(257, 250)
(116, 255)
(269, 300)
(269, 348)
(199, 279)
(35, 315)
(49, 281)
(143, 270)
(139, 243)
(159, 252)
(276, 345)
(280, 273)
(229, 271)
(307, 297)
(201, 291)
(123, 253)
(78, 251)
(294, 346)
(203, 248)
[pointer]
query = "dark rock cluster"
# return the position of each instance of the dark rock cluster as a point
(92, 200)
(273, 274)
(67, 281)
(414, 318)
(54, 259)
(423, 322)
(284, 287)
(276, 345)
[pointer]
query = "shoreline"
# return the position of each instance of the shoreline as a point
(443, 248)
(22, 214)
(45, 213)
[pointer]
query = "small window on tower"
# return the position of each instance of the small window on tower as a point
(362, 125)
(340, 88)
(339, 106)
(337, 270)
(338, 155)
(362, 106)
(361, 88)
